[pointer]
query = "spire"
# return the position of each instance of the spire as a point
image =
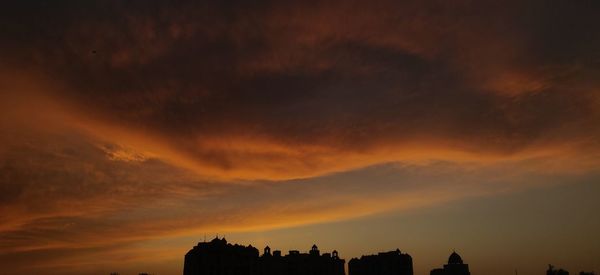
(314, 250)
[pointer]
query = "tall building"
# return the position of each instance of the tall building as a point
(455, 266)
(217, 257)
(385, 263)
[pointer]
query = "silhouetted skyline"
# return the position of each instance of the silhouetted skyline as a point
(218, 257)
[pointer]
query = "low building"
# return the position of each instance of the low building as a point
(385, 263)
(296, 263)
(455, 266)
(552, 271)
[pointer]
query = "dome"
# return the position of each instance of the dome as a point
(455, 259)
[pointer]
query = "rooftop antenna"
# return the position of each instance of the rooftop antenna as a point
(204, 237)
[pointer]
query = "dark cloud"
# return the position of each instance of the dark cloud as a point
(334, 73)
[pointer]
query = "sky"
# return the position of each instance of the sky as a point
(130, 130)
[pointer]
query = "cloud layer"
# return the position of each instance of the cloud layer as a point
(137, 121)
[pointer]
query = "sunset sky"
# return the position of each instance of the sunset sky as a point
(131, 130)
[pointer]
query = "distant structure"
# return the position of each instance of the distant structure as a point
(296, 263)
(384, 263)
(552, 271)
(455, 266)
(218, 257)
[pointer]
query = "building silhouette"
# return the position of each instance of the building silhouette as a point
(296, 263)
(552, 271)
(384, 263)
(455, 266)
(218, 257)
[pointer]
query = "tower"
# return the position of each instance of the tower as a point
(315, 250)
